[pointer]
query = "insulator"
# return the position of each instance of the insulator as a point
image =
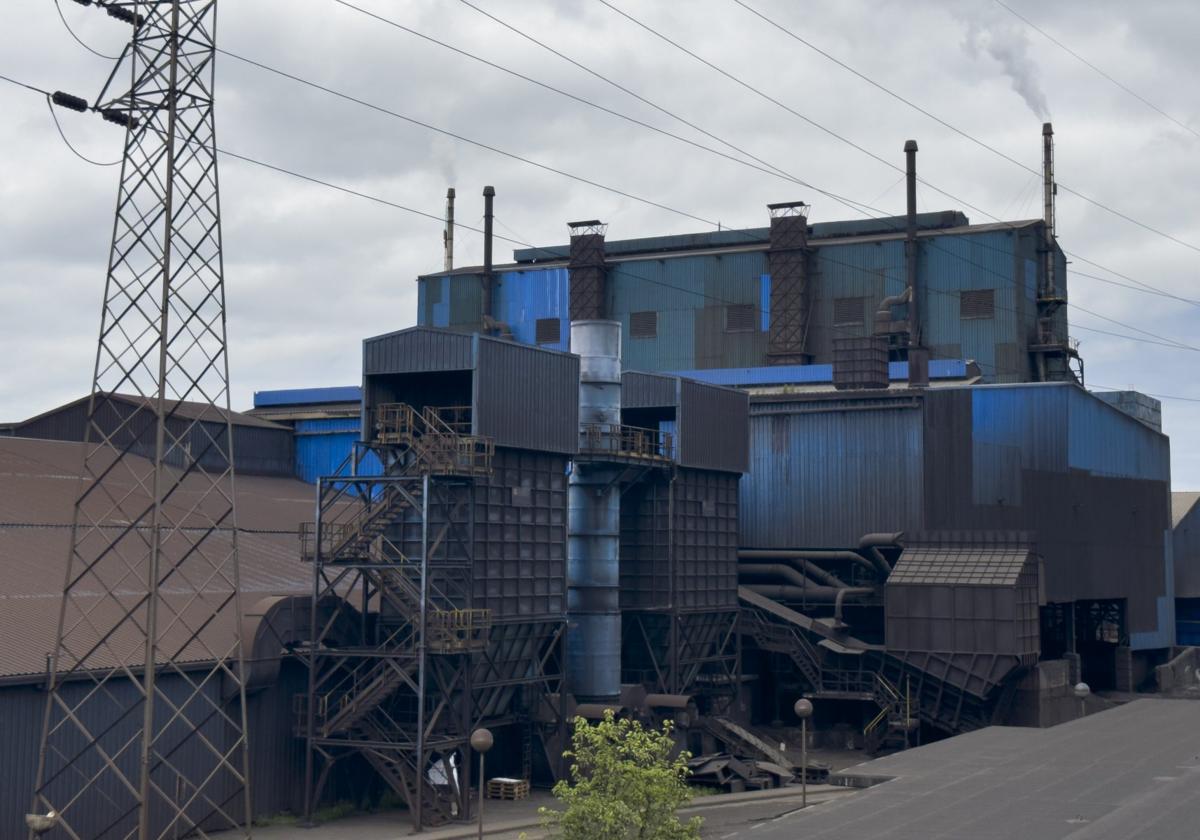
(66, 100)
(121, 13)
(119, 117)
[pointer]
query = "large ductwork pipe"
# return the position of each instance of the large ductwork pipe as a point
(871, 544)
(784, 572)
(594, 526)
(489, 303)
(838, 597)
(873, 561)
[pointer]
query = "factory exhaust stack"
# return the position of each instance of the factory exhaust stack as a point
(489, 282)
(448, 233)
(594, 523)
(918, 356)
(1048, 190)
(588, 294)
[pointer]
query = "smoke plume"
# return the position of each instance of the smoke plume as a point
(1008, 44)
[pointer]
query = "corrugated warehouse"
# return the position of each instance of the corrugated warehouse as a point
(701, 301)
(260, 447)
(1090, 483)
(41, 478)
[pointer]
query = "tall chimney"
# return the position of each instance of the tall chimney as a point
(787, 265)
(586, 292)
(918, 357)
(448, 233)
(1048, 191)
(488, 307)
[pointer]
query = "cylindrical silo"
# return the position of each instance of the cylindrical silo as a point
(594, 521)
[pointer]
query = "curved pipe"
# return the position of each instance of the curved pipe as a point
(871, 542)
(820, 594)
(875, 562)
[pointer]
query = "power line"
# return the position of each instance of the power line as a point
(1089, 64)
(27, 87)
(1108, 208)
(854, 206)
(615, 190)
(74, 151)
(614, 84)
(81, 42)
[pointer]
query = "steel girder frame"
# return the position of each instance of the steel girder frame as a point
(394, 698)
(687, 652)
(152, 575)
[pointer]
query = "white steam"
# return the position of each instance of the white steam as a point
(1007, 43)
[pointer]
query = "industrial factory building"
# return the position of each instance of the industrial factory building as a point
(691, 478)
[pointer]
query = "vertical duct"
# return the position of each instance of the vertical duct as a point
(587, 293)
(787, 265)
(918, 356)
(448, 233)
(594, 524)
(488, 304)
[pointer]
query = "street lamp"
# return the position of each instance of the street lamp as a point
(481, 742)
(803, 710)
(1082, 690)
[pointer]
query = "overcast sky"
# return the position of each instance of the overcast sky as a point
(310, 271)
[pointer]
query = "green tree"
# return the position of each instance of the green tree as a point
(624, 785)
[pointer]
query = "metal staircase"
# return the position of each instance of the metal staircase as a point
(898, 719)
(393, 541)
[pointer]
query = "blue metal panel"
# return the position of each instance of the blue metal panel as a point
(523, 297)
(307, 396)
(764, 302)
(1015, 428)
(322, 447)
(1106, 441)
(821, 476)
(810, 374)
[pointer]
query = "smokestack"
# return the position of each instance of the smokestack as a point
(918, 359)
(489, 194)
(448, 233)
(587, 293)
(1048, 190)
(787, 265)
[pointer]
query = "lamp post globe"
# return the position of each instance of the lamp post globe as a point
(803, 708)
(481, 740)
(1082, 690)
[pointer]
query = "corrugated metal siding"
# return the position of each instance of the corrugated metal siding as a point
(1012, 430)
(527, 398)
(1106, 441)
(690, 295)
(648, 390)
(415, 350)
(523, 297)
(713, 427)
(1187, 559)
(323, 445)
(823, 473)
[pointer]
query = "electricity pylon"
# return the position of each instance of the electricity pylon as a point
(145, 726)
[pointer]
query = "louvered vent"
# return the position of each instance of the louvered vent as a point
(848, 311)
(643, 324)
(740, 317)
(978, 303)
(547, 331)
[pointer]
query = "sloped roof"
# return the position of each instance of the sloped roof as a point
(959, 566)
(39, 480)
(1182, 503)
(184, 409)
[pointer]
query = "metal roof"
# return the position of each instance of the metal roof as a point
(1182, 502)
(1129, 772)
(959, 566)
(180, 408)
(39, 480)
(308, 396)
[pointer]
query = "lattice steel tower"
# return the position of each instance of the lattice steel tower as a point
(145, 722)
